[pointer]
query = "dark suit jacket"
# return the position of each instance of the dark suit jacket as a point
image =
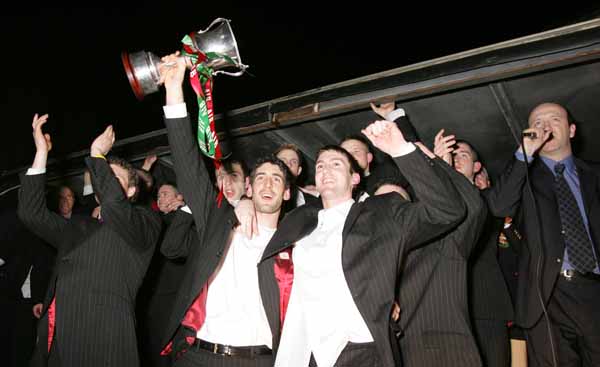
(509, 195)
(180, 236)
(433, 293)
(376, 234)
(489, 298)
(214, 224)
(99, 269)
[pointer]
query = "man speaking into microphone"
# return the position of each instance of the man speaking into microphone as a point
(558, 269)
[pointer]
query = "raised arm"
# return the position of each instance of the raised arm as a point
(439, 208)
(32, 207)
(138, 226)
(192, 178)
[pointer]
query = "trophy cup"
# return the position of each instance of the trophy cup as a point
(216, 42)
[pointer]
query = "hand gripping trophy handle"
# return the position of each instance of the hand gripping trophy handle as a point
(142, 68)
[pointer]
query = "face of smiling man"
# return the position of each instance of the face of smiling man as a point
(268, 188)
(334, 177)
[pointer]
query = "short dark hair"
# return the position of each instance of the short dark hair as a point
(168, 183)
(474, 151)
(272, 159)
(354, 167)
(132, 174)
(229, 162)
(389, 180)
(292, 147)
(357, 137)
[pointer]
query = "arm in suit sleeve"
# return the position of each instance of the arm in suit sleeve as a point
(138, 226)
(439, 209)
(34, 213)
(192, 177)
(504, 197)
(180, 236)
(465, 236)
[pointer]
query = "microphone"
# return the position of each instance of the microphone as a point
(530, 135)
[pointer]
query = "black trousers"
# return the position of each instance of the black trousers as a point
(203, 358)
(574, 313)
(493, 342)
(355, 355)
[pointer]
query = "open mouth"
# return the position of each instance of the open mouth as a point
(267, 196)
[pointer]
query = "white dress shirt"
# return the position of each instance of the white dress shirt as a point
(234, 311)
(300, 199)
(322, 316)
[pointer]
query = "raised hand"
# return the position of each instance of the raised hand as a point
(532, 145)
(385, 136)
(149, 162)
(43, 143)
(103, 143)
(384, 109)
(172, 72)
(443, 146)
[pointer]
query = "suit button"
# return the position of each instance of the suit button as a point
(220, 253)
(558, 260)
(562, 232)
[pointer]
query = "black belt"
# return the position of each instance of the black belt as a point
(228, 350)
(569, 274)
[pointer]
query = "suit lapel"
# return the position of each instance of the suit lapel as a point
(296, 225)
(588, 183)
(352, 216)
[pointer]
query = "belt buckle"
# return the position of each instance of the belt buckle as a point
(568, 274)
(227, 350)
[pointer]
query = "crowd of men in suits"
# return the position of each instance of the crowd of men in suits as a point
(414, 262)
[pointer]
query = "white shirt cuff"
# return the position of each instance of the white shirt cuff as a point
(175, 111)
(405, 149)
(395, 114)
(35, 171)
(186, 209)
(88, 190)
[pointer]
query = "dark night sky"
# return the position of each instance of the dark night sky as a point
(66, 61)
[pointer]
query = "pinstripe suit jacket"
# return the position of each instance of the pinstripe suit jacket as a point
(435, 322)
(214, 224)
(376, 234)
(99, 269)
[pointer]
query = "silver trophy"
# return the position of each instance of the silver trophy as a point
(142, 67)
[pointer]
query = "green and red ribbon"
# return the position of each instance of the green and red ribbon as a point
(201, 79)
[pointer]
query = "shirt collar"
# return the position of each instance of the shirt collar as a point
(569, 163)
(337, 213)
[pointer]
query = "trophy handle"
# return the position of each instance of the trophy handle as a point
(218, 20)
(238, 73)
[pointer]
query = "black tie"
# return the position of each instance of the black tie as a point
(579, 246)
